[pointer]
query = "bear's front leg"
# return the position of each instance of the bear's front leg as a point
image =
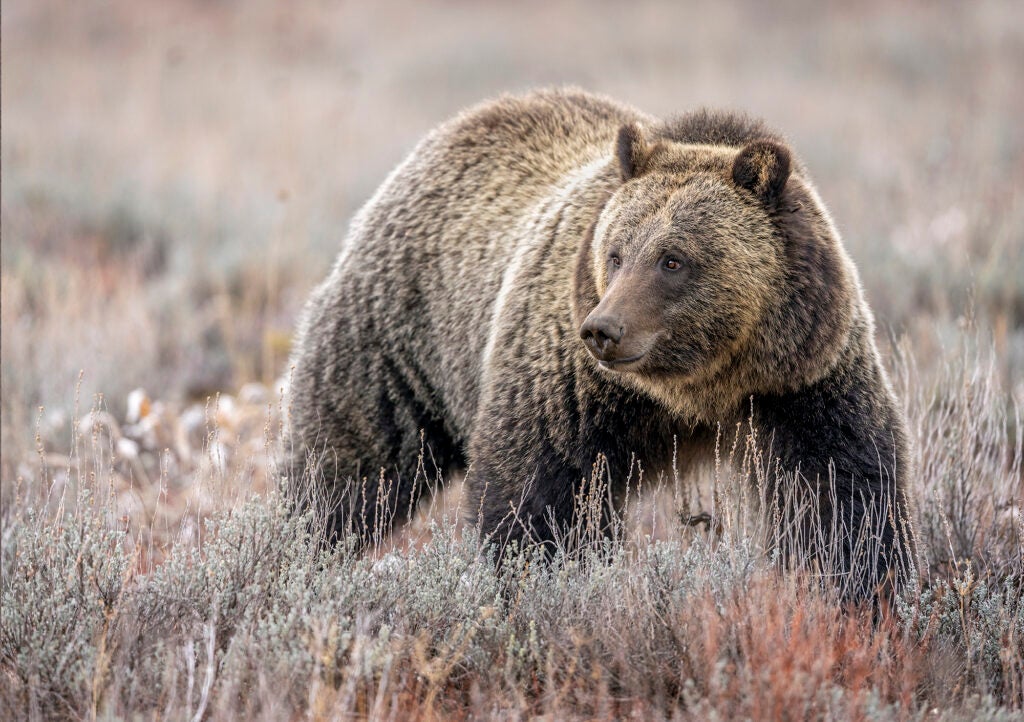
(843, 461)
(521, 485)
(550, 453)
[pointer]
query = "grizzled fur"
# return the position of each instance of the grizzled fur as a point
(694, 258)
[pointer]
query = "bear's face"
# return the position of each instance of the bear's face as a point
(711, 272)
(684, 262)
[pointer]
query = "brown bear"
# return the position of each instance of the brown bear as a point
(551, 278)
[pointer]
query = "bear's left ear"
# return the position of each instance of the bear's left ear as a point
(632, 150)
(762, 167)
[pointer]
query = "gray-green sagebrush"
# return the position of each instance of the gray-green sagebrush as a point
(557, 277)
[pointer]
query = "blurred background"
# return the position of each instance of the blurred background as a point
(176, 176)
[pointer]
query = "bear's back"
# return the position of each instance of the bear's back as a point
(448, 223)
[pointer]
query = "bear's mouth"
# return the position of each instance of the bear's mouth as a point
(619, 364)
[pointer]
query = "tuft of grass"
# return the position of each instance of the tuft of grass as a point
(968, 436)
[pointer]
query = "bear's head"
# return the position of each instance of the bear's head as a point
(712, 273)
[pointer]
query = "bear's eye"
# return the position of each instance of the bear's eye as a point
(615, 260)
(672, 264)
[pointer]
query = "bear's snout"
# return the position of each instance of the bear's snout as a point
(602, 335)
(609, 342)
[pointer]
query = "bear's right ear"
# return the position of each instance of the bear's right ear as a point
(762, 167)
(632, 150)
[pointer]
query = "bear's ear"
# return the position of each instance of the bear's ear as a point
(762, 167)
(632, 150)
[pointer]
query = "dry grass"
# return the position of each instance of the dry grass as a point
(176, 177)
(105, 615)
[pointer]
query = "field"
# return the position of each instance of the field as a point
(176, 176)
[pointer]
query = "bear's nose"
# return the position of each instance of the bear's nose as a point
(602, 334)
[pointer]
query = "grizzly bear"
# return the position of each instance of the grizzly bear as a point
(555, 278)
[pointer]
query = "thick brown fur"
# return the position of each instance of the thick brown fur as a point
(451, 323)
